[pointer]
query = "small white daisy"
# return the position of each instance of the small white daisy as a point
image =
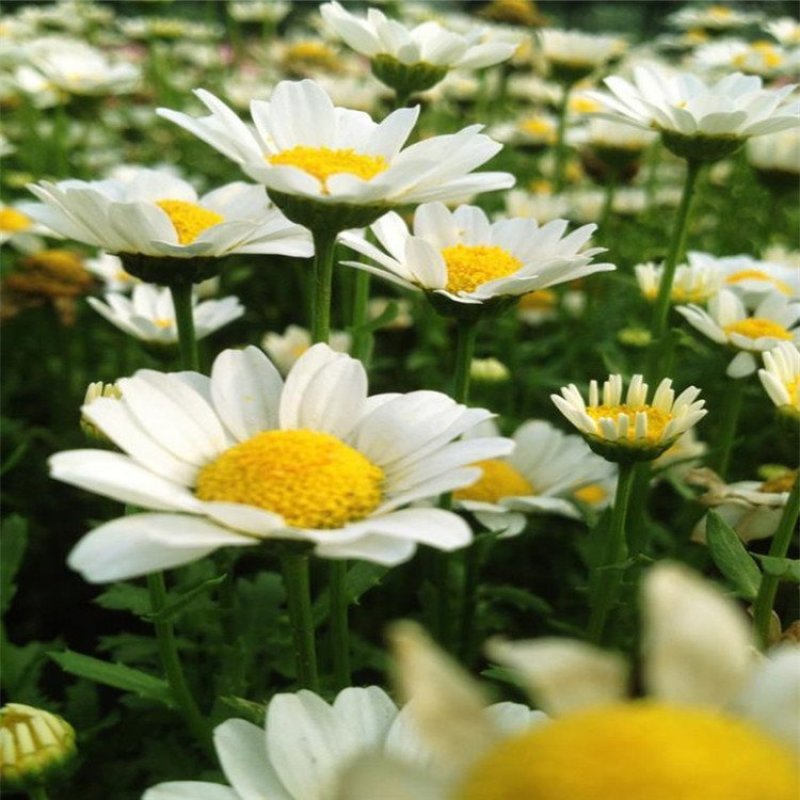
(693, 283)
(285, 348)
(727, 322)
(781, 377)
(241, 458)
(573, 55)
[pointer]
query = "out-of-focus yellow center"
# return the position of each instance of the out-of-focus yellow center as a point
(322, 162)
(783, 483)
(13, 221)
(312, 479)
(759, 275)
(756, 327)
(163, 323)
(189, 219)
(470, 266)
(720, 12)
(539, 128)
(657, 419)
(635, 751)
(592, 494)
(584, 105)
(499, 479)
(540, 300)
(311, 53)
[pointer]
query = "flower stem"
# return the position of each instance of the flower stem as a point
(762, 608)
(607, 577)
(362, 339)
(561, 149)
(339, 625)
(466, 333)
(608, 200)
(37, 793)
(298, 598)
(475, 557)
(677, 245)
(324, 246)
(170, 661)
(184, 318)
(731, 409)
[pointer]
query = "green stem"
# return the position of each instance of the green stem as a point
(762, 608)
(37, 793)
(298, 598)
(184, 318)
(324, 247)
(561, 150)
(677, 246)
(607, 576)
(170, 661)
(466, 333)
(729, 421)
(475, 557)
(362, 338)
(339, 624)
(608, 201)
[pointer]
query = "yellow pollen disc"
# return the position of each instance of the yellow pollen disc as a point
(189, 219)
(470, 266)
(539, 128)
(636, 751)
(13, 221)
(163, 323)
(499, 480)
(720, 12)
(759, 275)
(540, 300)
(756, 327)
(592, 494)
(783, 483)
(584, 105)
(322, 162)
(657, 419)
(312, 479)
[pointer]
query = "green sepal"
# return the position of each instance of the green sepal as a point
(444, 306)
(327, 217)
(170, 271)
(700, 147)
(406, 79)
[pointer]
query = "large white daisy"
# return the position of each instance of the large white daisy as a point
(242, 457)
(303, 146)
(155, 213)
(306, 744)
(463, 257)
(715, 724)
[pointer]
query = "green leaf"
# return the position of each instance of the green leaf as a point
(117, 675)
(125, 597)
(519, 598)
(787, 569)
(186, 600)
(731, 558)
(360, 579)
(15, 539)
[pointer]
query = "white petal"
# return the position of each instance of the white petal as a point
(386, 550)
(368, 778)
(367, 712)
(190, 790)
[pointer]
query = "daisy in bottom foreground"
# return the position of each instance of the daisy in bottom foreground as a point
(242, 457)
(717, 723)
(633, 429)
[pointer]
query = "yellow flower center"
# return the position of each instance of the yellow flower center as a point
(584, 105)
(13, 221)
(189, 219)
(756, 327)
(310, 54)
(540, 300)
(783, 483)
(592, 494)
(538, 128)
(635, 751)
(163, 323)
(322, 162)
(657, 419)
(720, 12)
(312, 479)
(499, 479)
(470, 266)
(759, 275)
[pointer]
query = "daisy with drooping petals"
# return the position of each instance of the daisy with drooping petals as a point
(716, 723)
(149, 314)
(573, 55)
(460, 257)
(696, 120)
(781, 378)
(310, 154)
(727, 322)
(546, 468)
(284, 761)
(693, 283)
(633, 429)
(242, 457)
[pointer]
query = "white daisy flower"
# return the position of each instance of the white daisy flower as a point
(541, 476)
(541, 207)
(763, 58)
(727, 322)
(305, 148)
(306, 744)
(693, 283)
(573, 55)
(464, 258)
(152, 213)
(775, 154)
(633, 429)
(242, 457)
(284, 349)
(785, 29)
(109, 269)
(752, 508)
(684, 455)
(715, 17)
(272, 11)
(716, 723)
(149, 314)
(781, 377)
(20, 231)
(698, 120)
